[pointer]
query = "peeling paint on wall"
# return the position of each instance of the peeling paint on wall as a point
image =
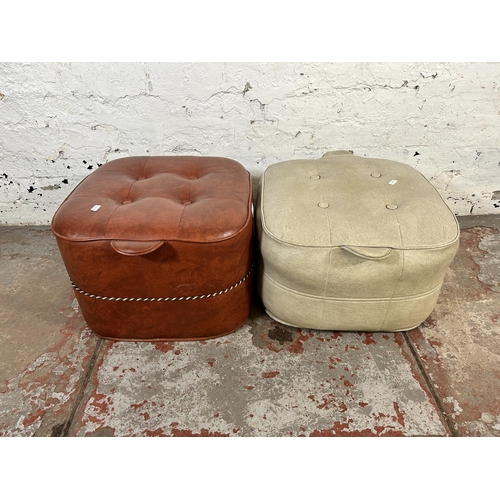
(61, 121)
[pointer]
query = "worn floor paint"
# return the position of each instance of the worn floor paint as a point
(45, 346)
(264, 380)
(57, 378)
(459, 344)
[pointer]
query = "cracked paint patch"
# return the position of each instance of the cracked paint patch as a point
(277, 337)
(266, 379)
(258, 382)
(77, 116)
(459, 344)
(42, 394)
(45, 344)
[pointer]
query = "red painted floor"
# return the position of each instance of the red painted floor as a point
(58, 379)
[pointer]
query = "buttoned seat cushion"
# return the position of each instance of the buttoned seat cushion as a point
(351, 243)
(150, 236)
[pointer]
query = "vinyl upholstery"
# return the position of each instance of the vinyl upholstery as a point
(351, 243)
(165, 227)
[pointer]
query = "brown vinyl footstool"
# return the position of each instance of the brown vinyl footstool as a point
(159, 248)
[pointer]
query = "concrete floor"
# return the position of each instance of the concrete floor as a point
(58, 379)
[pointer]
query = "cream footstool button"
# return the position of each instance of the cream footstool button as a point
(391, 207)
(323, 204)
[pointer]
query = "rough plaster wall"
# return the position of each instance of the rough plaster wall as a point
(60, 121)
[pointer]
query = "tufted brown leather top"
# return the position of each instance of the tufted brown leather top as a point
(147, 199)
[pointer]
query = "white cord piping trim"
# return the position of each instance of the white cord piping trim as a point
(163, 299)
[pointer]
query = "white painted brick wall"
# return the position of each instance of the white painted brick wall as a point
(60, 121)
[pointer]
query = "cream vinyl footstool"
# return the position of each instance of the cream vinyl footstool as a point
(351, 243)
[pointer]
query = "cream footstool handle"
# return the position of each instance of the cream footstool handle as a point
(368, 252)
(338, 153)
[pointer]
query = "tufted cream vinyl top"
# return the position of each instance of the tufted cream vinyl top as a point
(342, 199)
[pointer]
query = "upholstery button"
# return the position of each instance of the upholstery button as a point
(126, 202)
(186, 203)
(323, 204)
(315, 177)
(391, 207)
(376, 174)
(193, 178)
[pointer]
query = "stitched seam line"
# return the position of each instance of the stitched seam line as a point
(151, 312)
(184, 206)
(350, 299)
(129, 189)
(327, 277)
(400, 276)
